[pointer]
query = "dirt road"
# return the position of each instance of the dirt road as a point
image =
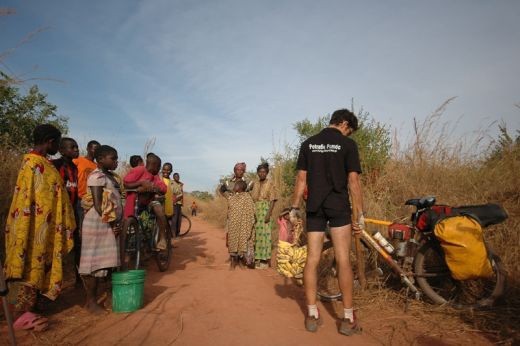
(199, 301)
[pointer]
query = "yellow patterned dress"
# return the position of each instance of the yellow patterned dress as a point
(39, 227)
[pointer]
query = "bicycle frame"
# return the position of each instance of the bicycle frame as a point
(405, 278)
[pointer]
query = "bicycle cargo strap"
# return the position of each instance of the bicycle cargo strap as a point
(464, 248)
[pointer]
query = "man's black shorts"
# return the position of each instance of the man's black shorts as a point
(335, 210)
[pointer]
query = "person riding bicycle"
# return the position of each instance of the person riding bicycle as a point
(328, 165)
(149, 184)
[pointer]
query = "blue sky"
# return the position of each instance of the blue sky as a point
(216, 82)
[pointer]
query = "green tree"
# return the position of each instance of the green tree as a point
(203, 195)
(19, 114)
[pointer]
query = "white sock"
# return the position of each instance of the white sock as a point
(313, 311)
(349, 314)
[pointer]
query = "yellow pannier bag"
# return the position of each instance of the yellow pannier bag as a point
(464, 249)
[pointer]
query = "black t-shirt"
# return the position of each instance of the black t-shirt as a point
(327, 157)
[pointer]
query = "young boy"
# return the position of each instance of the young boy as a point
(69, 173)
(241, 218)
(169, 199)
(149, 183)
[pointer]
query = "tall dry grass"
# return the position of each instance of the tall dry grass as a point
(458, 173)
(439, 162)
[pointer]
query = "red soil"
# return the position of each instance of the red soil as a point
(199, 301)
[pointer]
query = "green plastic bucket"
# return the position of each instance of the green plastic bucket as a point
(128, 290)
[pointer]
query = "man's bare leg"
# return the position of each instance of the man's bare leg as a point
(341, 240)
(310, 278)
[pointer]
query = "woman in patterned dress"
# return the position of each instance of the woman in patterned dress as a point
(264, 195)
(38, 231)
(241, 218)
(101, 225)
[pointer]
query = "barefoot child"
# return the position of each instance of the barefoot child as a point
(241, 218)
(101, 226)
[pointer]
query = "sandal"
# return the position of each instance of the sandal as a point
(30, 320)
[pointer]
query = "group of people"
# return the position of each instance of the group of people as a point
(328, 169)
(77, 203)
(249, 221)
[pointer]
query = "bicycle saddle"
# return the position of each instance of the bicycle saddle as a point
(421, 203)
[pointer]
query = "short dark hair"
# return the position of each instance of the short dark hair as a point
(65, 140)
(342, 115)
(176, 173)
(168, 164)
(134, 160)
(104, 150)
(43, 133)
(92, 143)
(241, 184)
(263, 165)
(152, 156)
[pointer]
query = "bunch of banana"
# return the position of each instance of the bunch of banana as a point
(291, 259)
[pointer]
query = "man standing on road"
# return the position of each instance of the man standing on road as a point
(328, 165)
(178, 193)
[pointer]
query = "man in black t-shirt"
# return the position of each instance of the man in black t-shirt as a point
(328, 165)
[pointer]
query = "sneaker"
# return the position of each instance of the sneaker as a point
(348, 328)
(312, 323)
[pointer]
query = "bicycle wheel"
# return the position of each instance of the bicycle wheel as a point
(185, 225)
(433, 276)
(133, 241)
(163, 258)
(328, 285)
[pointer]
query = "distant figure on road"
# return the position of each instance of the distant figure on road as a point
(193, 209)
